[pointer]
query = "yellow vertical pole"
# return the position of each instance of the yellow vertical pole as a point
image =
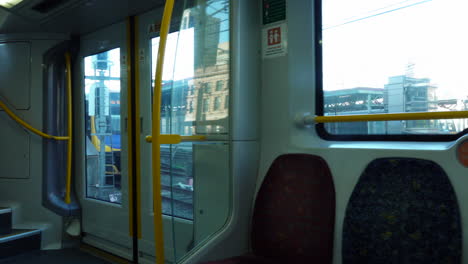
(70, 127)
(156, 130)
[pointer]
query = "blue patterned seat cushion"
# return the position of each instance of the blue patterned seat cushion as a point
(402, 211)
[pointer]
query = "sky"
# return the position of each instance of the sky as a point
(367, 41)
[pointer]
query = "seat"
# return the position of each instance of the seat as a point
(294, 214)
(402, 210)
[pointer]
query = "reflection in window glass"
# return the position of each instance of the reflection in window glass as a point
(177, 179)
(217, 103)
(206, 105)
(207, 87)
(401, 59)
(219, 85)
(197, 58)
(102, 126)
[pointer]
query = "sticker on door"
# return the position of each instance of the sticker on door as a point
(274, 40)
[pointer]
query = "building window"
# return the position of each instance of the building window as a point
(217, 103)
(219, 85)
(207, 87)
(387, 68)
(206, 105)
(191, 90)
(190, 107)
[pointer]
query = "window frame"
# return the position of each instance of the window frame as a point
(319, 101)
(83, 118)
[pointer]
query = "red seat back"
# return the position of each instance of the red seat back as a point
(294, 213)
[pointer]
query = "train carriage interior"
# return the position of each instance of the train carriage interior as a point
(233, 132)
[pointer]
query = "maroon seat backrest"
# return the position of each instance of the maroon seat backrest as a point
(294, 215)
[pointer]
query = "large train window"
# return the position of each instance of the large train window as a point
(194, 98)
(102, 99)
(393, 56)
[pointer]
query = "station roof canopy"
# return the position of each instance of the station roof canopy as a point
(354, 91)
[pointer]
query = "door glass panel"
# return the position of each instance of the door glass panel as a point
(195, 101)
(196, 71)
(177, 180)
(102, 126)
(194, 95)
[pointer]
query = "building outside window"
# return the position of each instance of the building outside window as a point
(219, 85)
(206, 105)
(217, 103)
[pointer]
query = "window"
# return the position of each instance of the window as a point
(191, 90)
(391, 56)
(217, 103)
(207, 87)
(190, 107)
(219, 85)
(206, 105)
(192, 65)
(102, 126)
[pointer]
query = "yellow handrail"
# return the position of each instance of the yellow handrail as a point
(95, 140)
(175, 139)
(28, 126)
(392, 117)
(156, 148)
(70, 128)
(44, 135)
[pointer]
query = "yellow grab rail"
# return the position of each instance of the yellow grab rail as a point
(175, 139)
(28, 126)
(391, 117)
(156, 130)
(70, 127)
(44, 135)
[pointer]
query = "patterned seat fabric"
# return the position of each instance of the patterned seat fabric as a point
(294, 214)
(402, 211)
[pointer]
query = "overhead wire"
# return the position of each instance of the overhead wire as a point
(375, 15)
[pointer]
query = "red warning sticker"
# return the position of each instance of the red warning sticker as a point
(275, 41)
(462, 153)
(274, 36)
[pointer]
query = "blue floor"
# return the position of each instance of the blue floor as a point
(68, 256)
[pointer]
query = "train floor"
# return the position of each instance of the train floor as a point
(66, 256)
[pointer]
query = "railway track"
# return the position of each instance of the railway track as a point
(182, 202)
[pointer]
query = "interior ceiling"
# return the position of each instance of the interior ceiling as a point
(71, 16)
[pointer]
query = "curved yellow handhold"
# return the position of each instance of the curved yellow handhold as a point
(95, 140)
(28, 126)
(156, 128)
